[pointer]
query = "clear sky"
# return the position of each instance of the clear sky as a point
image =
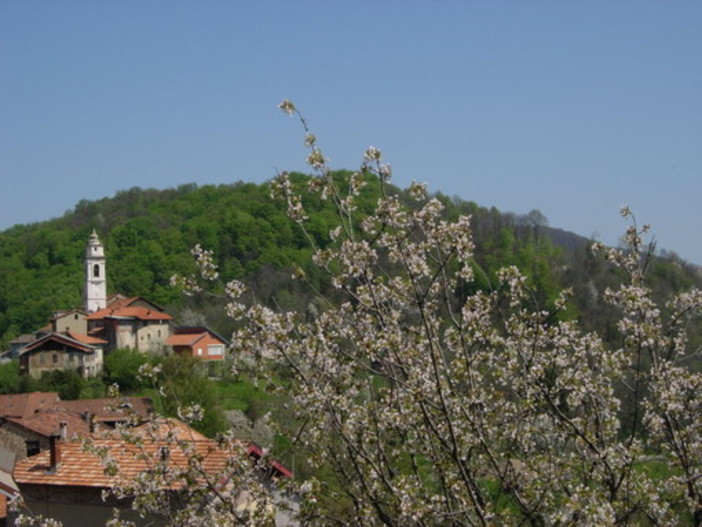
(572, 108)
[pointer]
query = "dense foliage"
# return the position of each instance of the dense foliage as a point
(148, 233)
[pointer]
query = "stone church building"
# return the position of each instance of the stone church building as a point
(78, 339)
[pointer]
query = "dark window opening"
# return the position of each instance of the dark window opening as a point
(32, 448)
(96, 271)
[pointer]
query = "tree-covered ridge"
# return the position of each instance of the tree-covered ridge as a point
(148, 235)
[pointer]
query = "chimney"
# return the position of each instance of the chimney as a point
(90, 421)
(54, 452)
(164, 453)
(63, 431)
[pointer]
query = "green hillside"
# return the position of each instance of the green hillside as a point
(148, 235)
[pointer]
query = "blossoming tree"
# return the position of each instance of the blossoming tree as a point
(440, 405)
(428, 401)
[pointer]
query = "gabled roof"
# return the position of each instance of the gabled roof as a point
(62, 339)
(188, 336)
(111, 409)
(184, 340)
(80, 468)
(132, 307)
(47, 423)
(160, 428)
(25, 405)
(65, 312)
(122, 311)
(85, 339)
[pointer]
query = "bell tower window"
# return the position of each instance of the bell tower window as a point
(96, 271)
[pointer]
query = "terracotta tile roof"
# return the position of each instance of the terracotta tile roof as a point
(116, 297)
(85, 339)
(26, 404)
(143, 313)
(61, 339)
(160, 428)
(111, 409)
(127, 308)
(81, 468)
(185, 339)
(47, 423)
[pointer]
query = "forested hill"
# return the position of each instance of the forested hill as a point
(148, 235)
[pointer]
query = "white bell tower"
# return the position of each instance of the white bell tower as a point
(95, 293)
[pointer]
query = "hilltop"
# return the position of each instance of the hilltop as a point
(148, 235)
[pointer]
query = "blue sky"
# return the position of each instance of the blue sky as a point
(572, 108)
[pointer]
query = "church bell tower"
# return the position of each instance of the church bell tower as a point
(95, 293)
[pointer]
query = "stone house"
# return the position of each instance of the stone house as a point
(200, 342)
(66, 482)
(72, 321)
(62, 351)
(132, 323)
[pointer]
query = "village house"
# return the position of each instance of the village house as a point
(201, 343)
(69, 482)
(123, 322)
(133, 323)
(78, 339)
(28, 420)
(63, 351)
(72, 321)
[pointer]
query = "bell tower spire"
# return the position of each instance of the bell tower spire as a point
(95, 292)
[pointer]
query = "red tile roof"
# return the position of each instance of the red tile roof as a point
(80, 468)
(62, 339)
(184, 340)
(160, 428)
(111, 409)
(26, 404)
(85, 339)
(126, 308)
(47, 423)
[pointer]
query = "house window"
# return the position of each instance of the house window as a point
(215, 349)
(199, 351)
(75, 317)
(96, 271)
(159, 333)
(54, 358)
(32, 448)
